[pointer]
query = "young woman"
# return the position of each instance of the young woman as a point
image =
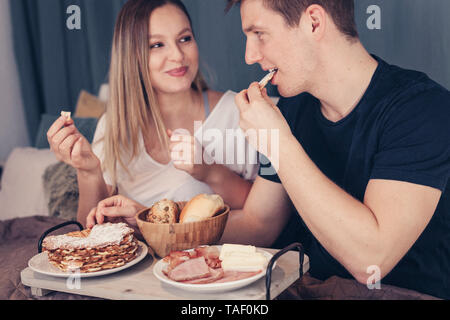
(155, 90)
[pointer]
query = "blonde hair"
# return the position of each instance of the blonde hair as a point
(132, 102)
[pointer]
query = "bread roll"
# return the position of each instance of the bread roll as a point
(163, 211)
(201, 207)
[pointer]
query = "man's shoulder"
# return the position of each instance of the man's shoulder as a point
(398, 84)
(399, 95)
(418, 96)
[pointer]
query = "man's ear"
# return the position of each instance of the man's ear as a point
(316, 18)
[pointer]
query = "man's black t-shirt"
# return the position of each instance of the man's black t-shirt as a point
(400, 130)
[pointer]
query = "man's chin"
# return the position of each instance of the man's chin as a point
(289, 92)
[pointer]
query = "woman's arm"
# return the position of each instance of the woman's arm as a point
(185, 151)
(71, 147)
(92, 190)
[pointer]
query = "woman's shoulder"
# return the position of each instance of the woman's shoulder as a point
(100, 128)
(216, 98)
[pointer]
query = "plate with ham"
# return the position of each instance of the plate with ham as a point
(200, 270)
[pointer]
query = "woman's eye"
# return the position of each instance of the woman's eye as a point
(156, 45)
(186, 39)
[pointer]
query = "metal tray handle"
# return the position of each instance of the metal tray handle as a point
(59, 226)
(275, 258)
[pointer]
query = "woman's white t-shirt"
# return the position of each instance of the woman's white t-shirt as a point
(223, 142)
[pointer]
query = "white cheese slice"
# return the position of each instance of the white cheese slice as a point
(233, 248)
(244, 261)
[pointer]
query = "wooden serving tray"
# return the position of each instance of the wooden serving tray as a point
(138, 282)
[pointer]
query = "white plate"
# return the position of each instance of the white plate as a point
(40, 264)
(209, 287)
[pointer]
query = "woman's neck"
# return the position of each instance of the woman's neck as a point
(178, 109)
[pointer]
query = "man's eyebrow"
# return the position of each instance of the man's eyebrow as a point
(252, 28)
(160, 36)
(249, 29)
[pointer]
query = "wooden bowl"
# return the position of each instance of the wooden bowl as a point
(164, 238)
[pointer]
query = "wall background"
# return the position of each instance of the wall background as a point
(414, 34)
(222, 45)
(13, 131)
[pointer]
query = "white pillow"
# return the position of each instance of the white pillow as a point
(22, 192)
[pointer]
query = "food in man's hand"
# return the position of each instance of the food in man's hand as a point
(203, 265)
(201, 207)
(267, 78)
(105, 246)
(163, 211)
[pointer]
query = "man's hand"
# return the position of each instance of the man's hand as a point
(261, 121)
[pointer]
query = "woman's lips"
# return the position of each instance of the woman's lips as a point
(178, 72)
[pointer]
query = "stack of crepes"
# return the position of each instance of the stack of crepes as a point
(103, 247)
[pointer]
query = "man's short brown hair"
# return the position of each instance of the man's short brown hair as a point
(341, 11)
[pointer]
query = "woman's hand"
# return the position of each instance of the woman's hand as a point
(187, 155)
(71, 147)
(114, 209)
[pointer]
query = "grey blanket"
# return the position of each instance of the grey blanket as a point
(18, 243)
(61, 190)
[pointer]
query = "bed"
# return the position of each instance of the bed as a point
(19, 242)
(38, 192)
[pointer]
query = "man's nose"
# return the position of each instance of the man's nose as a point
(252, 53)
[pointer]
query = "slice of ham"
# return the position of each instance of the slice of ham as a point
(175, 259)
(211, 255)
(190, 270)
(216, 274)
(177, 255)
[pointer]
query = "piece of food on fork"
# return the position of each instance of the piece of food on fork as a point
(267, 78)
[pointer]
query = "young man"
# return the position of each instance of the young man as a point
(363, 154)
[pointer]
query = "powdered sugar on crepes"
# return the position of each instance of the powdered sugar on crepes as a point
(101, 235)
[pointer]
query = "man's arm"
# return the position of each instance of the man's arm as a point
(265, 214)
(378, 231)
(233, 188)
